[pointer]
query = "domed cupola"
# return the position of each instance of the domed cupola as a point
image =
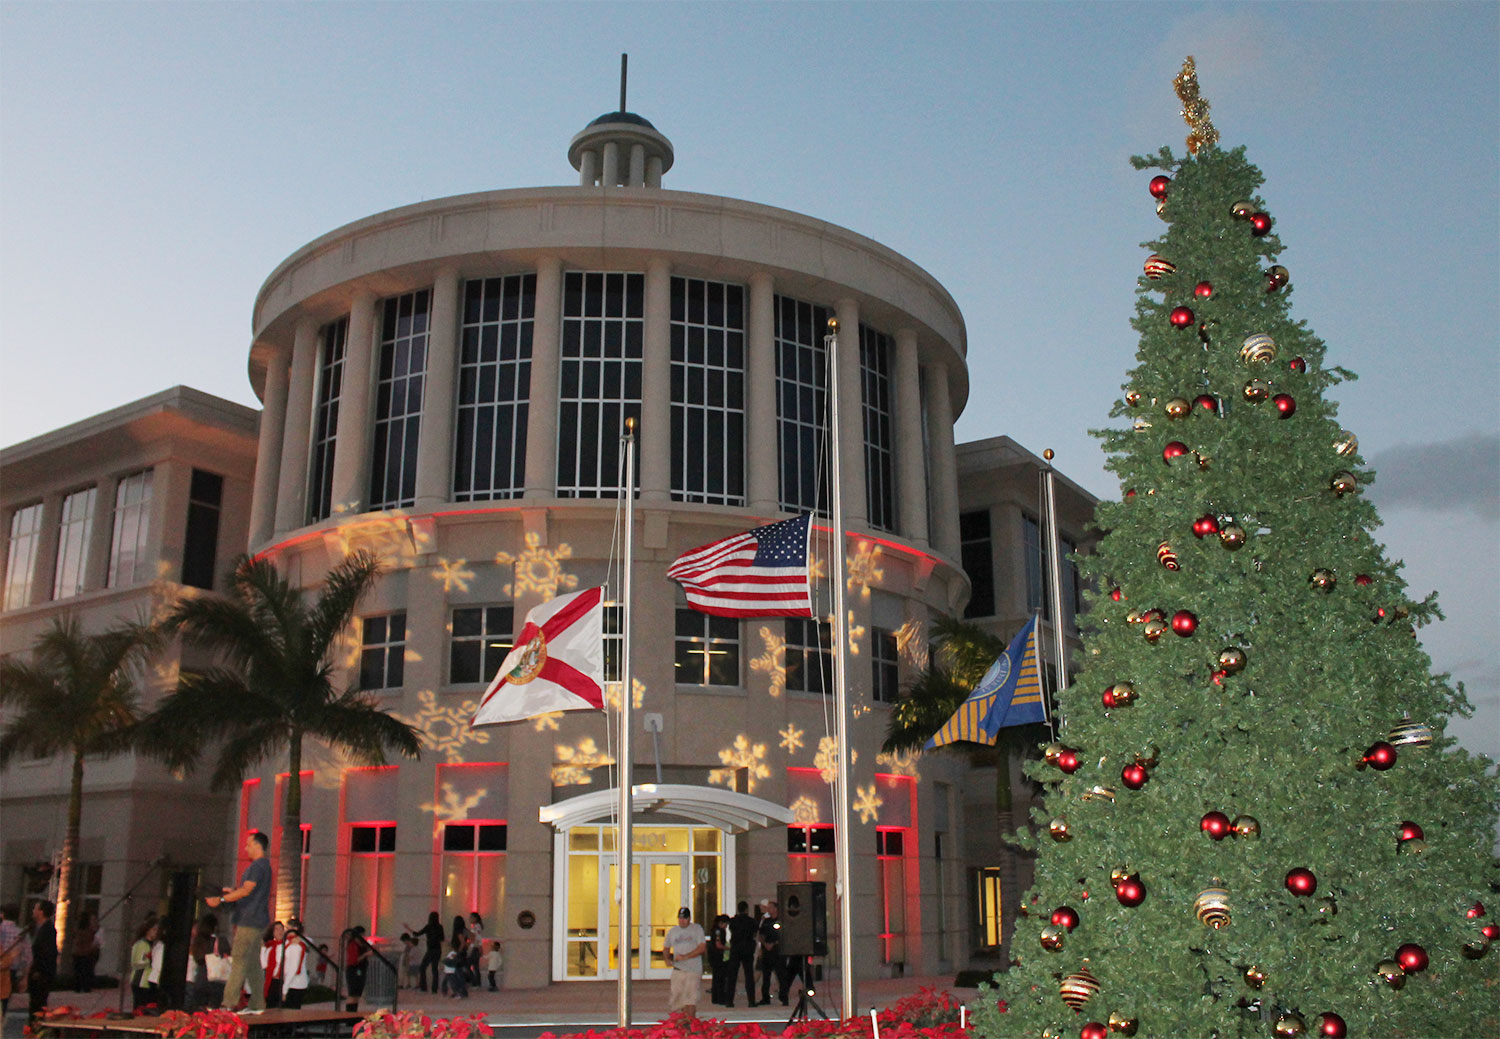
(620, 149)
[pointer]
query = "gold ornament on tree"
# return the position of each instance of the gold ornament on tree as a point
(1255, 976)
(1123, 1023)
(1080, 987)
(1289, 1026)
(1212, 907)
(1194, 108)
(1060, 830)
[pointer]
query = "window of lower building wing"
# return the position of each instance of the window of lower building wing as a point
(372, 877)
(494, 387)
(603, 333)
(802, 405)
(977, 556)
(885, 673)
(707, 649)
(20, 560)
(875, 350)
(128, 564)
(809, 656)
(708, 392)
(985, 903)
(333, 339)
(74, 527)
(200, 548)
(1038, 583)
(482, 636)
(398, 400)
(382, 656)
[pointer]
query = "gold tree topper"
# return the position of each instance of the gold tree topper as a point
(1194, 108)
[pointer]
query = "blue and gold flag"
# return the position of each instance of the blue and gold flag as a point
(1010, 693)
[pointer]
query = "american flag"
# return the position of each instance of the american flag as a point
(760, 573)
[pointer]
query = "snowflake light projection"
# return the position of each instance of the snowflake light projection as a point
(826, 760)
(453, 807)
(543, 722)
(911, 643)
(452, 575)
(791, 738)
(538, 569)
(901, 762)
(805, 811)
(867, 803)
(743, 755)
(856, 632)
(445, 727)
(773, 660)
(393, 537)
(862, 568)
(637, 694)
(573, 766)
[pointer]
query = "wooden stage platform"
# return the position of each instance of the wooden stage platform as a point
(333, 1023)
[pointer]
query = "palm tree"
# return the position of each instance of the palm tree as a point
(273, 686)
(76, 695)
(961, 654)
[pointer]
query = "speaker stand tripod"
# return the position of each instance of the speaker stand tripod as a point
(805, 1001)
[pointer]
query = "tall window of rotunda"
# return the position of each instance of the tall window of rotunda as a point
(599, 387)
(398, 400)
(333, 339)
(708, 392)
(494, 387)
(876, 351)
(801, 405)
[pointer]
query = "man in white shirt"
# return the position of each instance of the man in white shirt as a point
(684, 947)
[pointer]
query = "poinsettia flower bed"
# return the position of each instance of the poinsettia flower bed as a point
(926, 1014)
(408, 1023)
(174, 1024)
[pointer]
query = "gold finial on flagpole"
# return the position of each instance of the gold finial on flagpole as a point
(1194, 108)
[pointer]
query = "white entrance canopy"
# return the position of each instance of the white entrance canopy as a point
(713, 806)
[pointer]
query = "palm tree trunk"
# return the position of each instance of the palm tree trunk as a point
(65, 868)
(289, 862)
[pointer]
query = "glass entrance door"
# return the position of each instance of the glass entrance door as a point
(654, 906)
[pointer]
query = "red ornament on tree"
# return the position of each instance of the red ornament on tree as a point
(1108, 699)
(1297, 364)
(1332, 1026)
(1203, 289)
(1116, 594)
(1182, 317)
(1130, 892)
(1093, 1030)
(1215, 824)
(1184, 622)
(1380, 756)
(1285, 404)
(1412, 957)
(1206, 402)
(1362, 579)
(1475, 911)
(1175, 449)
(1410, 831)
(1260, 224)
(1068, 761)
(1301, 882)
(1065, 916)
(1159, 185)
(1203, 526)
(1490, 931)
(1134, 776)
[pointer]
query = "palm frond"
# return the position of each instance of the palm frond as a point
(358, 724)
(343, 588)
(248, 747)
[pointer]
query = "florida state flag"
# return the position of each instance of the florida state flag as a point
(556, 665)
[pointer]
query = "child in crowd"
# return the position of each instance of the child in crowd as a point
(493, 962)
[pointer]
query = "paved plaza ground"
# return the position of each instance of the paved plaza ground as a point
(582, 1005)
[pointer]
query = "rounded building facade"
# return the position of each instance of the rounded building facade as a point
(446, 384)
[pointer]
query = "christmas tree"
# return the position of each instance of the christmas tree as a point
(1254, 823)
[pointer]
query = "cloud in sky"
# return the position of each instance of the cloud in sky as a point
(1450, 475)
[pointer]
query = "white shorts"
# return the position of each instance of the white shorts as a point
(686, 987)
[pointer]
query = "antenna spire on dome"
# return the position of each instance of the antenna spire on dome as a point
(624, 64)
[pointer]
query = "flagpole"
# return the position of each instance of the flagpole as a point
(841, 701)
(625, 843)
(1054, 580)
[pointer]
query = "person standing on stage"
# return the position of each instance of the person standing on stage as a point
(294, 975)
(43, 972)
(250, 916)
(742, 931)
